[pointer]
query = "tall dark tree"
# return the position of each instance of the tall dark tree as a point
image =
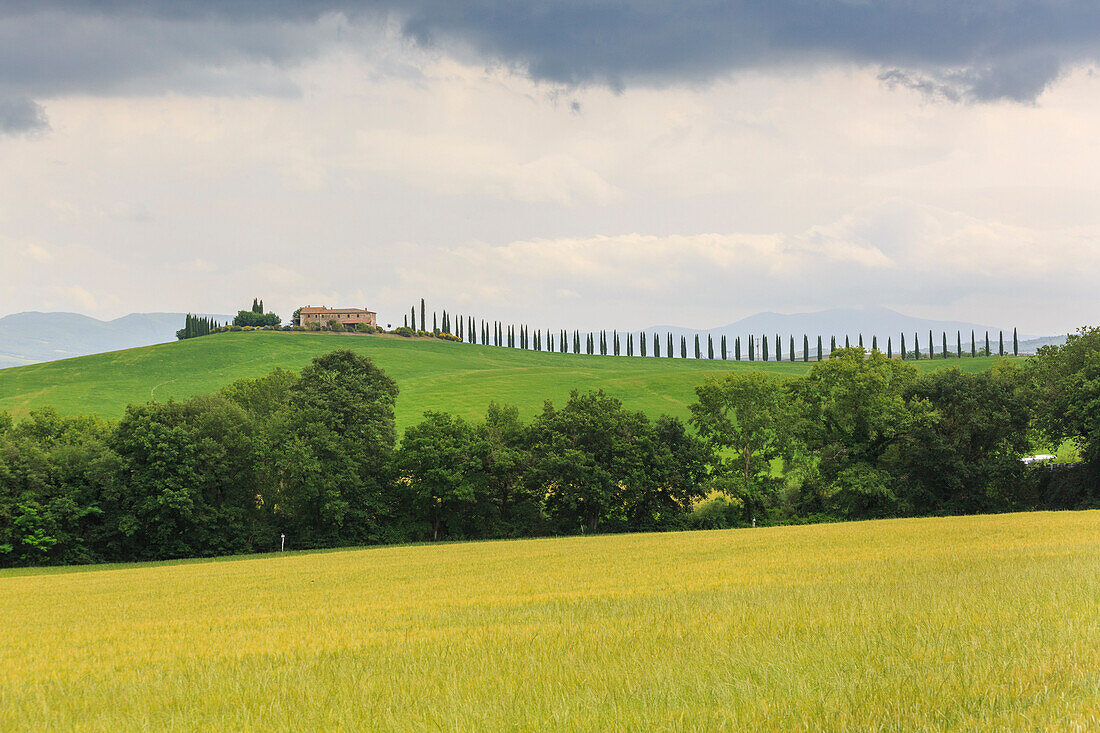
(778, 348)
(861, 341)
(931, 346)
(958, 345)
(805, 347)
(630, 343)
(697, 352)
(945, 344)
(423, 323)
(819, 348)
(764, 348)
(669, 351)
(987, 351)
(710, 346)
(1015, 343)
(916, 346)
(737, 348)
(656, 345)
(973, 345)
(832, 346)
(790, 349)
(724, 352)
(889, 347)
(412, 320)
(1001, 347)
(904, 356)
(752, 348)
(683, 347)
(641, 342)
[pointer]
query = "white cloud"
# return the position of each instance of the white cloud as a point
(75, 294)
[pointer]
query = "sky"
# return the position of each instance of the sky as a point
(576, 164)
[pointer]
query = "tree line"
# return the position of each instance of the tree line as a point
(316, 456)
(756, 347)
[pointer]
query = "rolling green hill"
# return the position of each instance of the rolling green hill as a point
(432, 375)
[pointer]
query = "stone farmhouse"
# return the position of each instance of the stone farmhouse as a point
(346, 316)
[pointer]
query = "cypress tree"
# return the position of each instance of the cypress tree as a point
(412, 323)
(931, 346)
(737, 348)
(683, 347)
(1001, 348)
(641, 342)
(435, 328)
(261, 306)
(710, 346)
(987, 351)
(819, 348)
(256, 306)
(889, 348)
(874, 343)
(629, 344)
(805, 348)
(656, 346)
(958, 345)
(669, 352)
(764, 348)
(1015, 343)
(945, 344)
(615, 336)
(724, 357)
(406, 323)
(778, 348)
(916, 346)
(423, 325)
(861, 341)
(847, 345)
(697, 352)
(973, 345)
(790, 349)
(832, 346)
(903, 355)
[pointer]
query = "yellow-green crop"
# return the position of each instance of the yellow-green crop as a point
(970, 623)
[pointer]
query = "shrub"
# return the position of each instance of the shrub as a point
(404, 331)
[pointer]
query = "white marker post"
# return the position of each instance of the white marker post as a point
(282, 542)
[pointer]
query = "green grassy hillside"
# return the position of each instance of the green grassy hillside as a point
(961, 623)
(432, 375)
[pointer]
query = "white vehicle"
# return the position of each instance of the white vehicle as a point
(1041, 458)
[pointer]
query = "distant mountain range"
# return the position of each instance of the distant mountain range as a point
(852, 322)
(26, 338)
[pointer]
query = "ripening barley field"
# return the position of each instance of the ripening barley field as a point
(986, 622)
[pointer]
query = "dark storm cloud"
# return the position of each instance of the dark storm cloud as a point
(22, 117)
(986, 50)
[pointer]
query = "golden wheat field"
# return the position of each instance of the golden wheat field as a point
(986, 622)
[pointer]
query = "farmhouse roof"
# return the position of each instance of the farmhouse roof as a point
(323, 309)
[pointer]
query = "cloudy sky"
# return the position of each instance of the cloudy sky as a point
(582, 163)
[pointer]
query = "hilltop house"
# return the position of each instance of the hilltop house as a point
(348, 317)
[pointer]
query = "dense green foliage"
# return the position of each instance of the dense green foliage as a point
(315, 456)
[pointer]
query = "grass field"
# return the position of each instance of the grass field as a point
(988, 622)
(432, 375)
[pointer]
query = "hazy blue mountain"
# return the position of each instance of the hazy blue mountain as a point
(852, 322)
(26, 338)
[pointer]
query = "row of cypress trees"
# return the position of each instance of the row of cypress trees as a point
(497, 333)
(197, 326)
